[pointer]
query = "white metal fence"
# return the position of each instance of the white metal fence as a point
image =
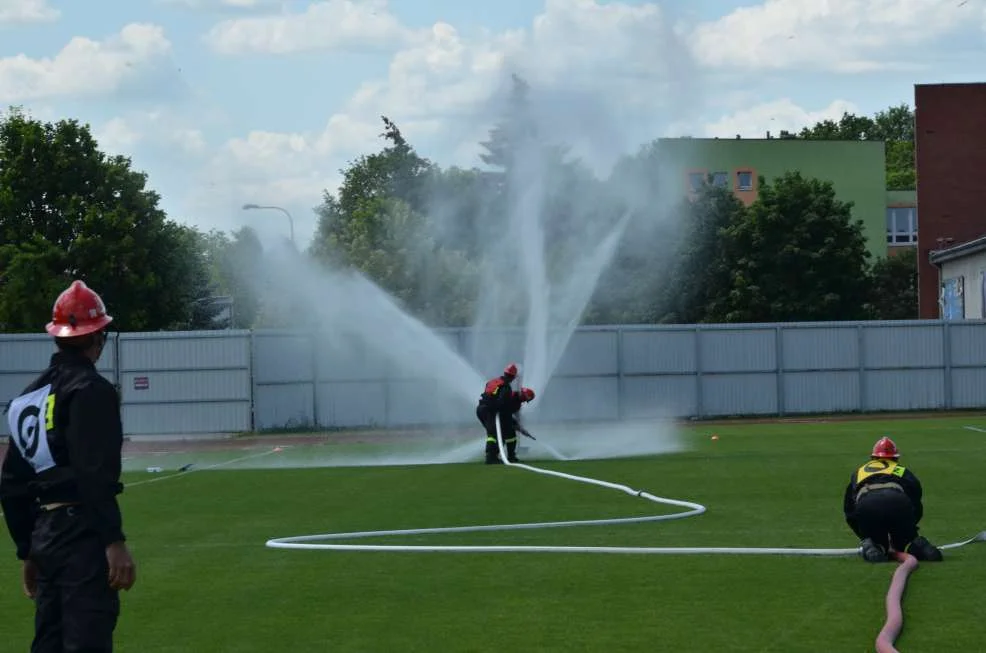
(229, 381)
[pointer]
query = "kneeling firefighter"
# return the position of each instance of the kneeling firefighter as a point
(499, 399)
(883, 506)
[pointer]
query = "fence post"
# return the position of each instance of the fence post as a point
(947, 361)
(861, 353)
(619, 374)
(252, 343)
(315, 378)
(779, 362)
(699, 403)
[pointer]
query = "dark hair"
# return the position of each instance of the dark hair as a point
(79, 343)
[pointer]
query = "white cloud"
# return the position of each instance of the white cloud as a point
(782, 114)
(837, 35)
(234, 4)
(332, 24)
(594, 60)
(27, 11)
(116, 136)
(439, 87)
(83, 67)
(160, 127)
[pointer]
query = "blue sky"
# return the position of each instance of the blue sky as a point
(224, 102)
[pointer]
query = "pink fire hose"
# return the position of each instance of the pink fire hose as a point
(895, 614)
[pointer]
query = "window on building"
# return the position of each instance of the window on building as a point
(902, 225)
(696, 180)
(720, 179)
(744, 180)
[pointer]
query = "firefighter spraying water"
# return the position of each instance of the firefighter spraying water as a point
(500, 399)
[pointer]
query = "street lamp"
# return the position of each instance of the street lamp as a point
(247, 207)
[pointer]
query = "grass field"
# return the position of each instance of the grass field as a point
(207, 582)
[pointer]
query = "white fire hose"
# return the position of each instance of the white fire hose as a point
(319, 542)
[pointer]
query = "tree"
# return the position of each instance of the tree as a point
(894, 126)
(796, 255)
(69, 211)
(894, 286)
(396, 172)
(699, 273)
(514, 129)
(235, 265)
(378, 226)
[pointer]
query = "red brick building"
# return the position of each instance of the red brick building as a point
(950, 162)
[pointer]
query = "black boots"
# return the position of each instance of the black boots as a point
(872, 552)
(924, 550)
(920, 548)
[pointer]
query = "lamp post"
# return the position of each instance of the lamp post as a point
(248, 207)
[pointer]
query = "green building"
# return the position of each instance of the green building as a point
(856, 169)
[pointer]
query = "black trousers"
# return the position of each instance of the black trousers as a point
(887, 518)
(487, 417)
(76, 610)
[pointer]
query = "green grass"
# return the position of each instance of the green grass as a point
(207, 583)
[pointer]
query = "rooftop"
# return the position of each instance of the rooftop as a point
(968, 248)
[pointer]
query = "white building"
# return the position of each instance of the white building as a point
(962, 280)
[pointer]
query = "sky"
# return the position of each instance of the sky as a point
(229, 102)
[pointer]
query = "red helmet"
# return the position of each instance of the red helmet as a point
(510, 370)
(526, 394)
(77, 311)
(885, 448)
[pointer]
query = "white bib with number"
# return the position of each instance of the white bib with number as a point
(28, 418)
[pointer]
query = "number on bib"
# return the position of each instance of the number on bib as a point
(879, 467)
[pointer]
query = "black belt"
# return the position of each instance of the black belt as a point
(878, 486)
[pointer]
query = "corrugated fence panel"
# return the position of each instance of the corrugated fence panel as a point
(344, 357)
(821, 392)
(820, 348)
(588, 353)
(186, 382)
(200, 382)
(968, 387)
(658, 352)
(967, 344)
(283, 380)
(355, 403)
(421, 401)
(904, 389)
(739, 394)
(903, 346)
(283, 358)
(738, 350)
(411, 357)
(584, 398)
(659, 396)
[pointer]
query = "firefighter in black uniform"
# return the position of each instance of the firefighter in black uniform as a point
(883, 506)
(59, 481)
(498, 398)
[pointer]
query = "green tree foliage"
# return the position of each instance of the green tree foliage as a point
(235, 267)
(634, 289)
(894, 286)
(796, 254)
(69, 211)
(377, 226)
(895, 126)
(701, 265)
